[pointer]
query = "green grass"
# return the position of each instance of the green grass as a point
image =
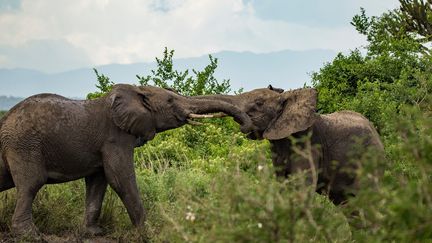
(202, 192)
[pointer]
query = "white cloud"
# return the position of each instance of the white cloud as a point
(115, 31)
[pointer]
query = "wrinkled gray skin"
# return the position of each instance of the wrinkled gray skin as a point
(51, 139)
(277, 115)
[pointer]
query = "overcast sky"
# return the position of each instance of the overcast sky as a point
(59, 35)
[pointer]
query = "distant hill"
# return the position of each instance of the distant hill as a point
(7, 102)
(286, 69)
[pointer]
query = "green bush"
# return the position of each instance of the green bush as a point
(398, 207)
(251, 206)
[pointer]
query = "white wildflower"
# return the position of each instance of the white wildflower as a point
(190, 216)
(260, 167)
(259, 225)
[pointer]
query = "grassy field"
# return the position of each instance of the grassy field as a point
(210, 184)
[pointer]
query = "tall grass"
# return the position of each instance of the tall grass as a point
(223, 189)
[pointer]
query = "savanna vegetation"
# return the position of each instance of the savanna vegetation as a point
(209, 183)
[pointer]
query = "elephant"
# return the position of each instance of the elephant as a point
(279, 116)
(48, 139)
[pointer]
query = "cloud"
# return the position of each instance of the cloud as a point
(9, 5)
(43, 55)
(335, 13)
(115, 31)
(166, 5)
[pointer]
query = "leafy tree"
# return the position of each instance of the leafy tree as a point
(391, 83)
(165, 76)
(394, 71)
(203, 82)
(164, 73)
(416, 17)
(104, 85)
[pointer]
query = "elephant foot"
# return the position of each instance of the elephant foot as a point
(27, 233)
(94, 230)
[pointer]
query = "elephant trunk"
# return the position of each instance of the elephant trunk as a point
(219, 97)
(201, 105)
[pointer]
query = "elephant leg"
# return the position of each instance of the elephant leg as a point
(280, 166)
(289, 159)
(22, 222)
(28, 177)
(306, 160)
(338, 197)
(308, 166)
(96, 185)
(120, 174)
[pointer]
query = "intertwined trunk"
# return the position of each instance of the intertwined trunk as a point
(204, 105)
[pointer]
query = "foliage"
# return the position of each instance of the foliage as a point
(2, 113)
(416, 17)
(248, 204)
(394, 72)
(398, 208)
(165, 76)
(203, 83)
(104, 85)
(392, 85)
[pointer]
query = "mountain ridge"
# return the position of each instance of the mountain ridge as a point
(285, 69)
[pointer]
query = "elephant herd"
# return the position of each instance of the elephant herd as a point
(47, 139)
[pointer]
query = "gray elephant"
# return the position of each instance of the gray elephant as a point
(277, 115)
(51, 139)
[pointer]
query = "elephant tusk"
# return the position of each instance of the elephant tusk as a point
(215, 115)
(194, 123)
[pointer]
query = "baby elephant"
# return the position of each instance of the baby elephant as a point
(277, 115)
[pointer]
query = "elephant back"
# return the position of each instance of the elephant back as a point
(349, 128)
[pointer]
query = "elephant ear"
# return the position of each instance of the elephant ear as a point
(131, 111)
(297, 114)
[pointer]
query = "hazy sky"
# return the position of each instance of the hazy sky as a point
(59, 35)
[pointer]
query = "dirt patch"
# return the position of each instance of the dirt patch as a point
(57, 239)
(6, 238)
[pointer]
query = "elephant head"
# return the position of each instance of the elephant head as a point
(275, 113)
(146, 110)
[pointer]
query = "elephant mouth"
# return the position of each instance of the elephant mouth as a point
(255, 135)
(251, 133)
